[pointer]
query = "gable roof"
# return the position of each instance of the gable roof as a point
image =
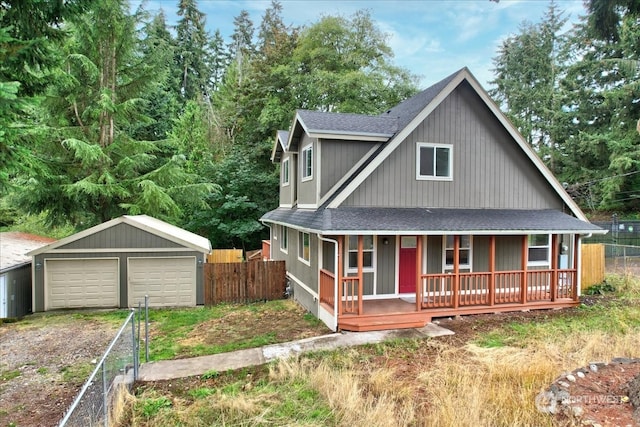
(415, 110)
(152, 225)
(282, 136)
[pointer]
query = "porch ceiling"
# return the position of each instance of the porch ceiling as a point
(431, 221)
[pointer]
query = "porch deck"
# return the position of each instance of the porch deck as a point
(397, 313)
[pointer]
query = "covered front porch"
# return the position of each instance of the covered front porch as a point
(453, 292)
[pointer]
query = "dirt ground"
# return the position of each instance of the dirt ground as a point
(41, 351)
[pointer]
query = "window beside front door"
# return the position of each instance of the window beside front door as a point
(464, 252)
(367, 253)
(539, 245)
(434, 162)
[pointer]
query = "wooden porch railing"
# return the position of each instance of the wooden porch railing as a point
(349, 295)
(439, 290)
(327, 286)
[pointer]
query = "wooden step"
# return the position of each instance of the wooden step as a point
(383, 322)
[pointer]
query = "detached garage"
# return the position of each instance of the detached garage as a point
(117, 263)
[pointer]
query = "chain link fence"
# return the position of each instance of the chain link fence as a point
(99, 399)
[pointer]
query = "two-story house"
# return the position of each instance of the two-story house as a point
(436, 207)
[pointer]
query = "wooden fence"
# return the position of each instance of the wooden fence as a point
(592, 265)
(242, 282)
(224, 255)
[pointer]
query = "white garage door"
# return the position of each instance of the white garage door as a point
(169, 282)
(76, 283)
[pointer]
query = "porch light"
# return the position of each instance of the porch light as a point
(385, 241)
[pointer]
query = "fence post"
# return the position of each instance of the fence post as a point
(105, 400)
(133, 347)
(146, 328)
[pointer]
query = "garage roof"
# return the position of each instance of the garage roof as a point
(143, 222)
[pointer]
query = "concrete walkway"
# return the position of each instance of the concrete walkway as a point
(179, 368)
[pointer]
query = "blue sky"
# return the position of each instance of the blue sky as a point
(431, 38)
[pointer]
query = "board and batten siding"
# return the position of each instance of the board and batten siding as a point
(307, 274)
(337, 157)
(307, 191)
(120, 236)
(489, 168)
(386, 265)
(288, 192)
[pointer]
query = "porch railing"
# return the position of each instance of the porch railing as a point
(327, 284)
(472, 289)
(349, 295)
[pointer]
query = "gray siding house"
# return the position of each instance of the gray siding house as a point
(433, 208)
(117, 263)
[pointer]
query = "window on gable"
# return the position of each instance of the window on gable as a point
(284, 238)
(539, 249)
(285, 172)
(368, 251)
(434, 161)
(304, 246)
(307, 163)
(464, 252)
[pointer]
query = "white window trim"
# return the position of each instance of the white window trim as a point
(285, 172)
(545, 263)
(301, 247)
(373, 251)
(419, 177)
(303, 163)
(284, 231)
(446, 266)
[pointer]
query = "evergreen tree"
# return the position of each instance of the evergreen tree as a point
(96, 171)
(192, 56)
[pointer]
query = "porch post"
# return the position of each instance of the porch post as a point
(360, 275)
(577, 263)
(525, 260)
(340, 274)
(456, 270)
(554, 266)
(492, 270)
(419, 273)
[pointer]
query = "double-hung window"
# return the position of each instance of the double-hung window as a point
(464, 252)
(434, 161)
(304, 247)
(307, 163)
(285, 172)
(539, 249)
(367, 252)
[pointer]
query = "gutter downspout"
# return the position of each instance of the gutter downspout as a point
(335, 282)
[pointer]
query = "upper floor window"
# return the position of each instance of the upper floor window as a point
(434, 161)
(285, 172)
(304, 247)
(464, 252)
(307, 163)
(367, 253)
(539, 249)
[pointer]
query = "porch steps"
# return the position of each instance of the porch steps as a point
(377, 322)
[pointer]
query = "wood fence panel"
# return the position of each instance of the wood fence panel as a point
(592, 265)
(242, 282)
(224, 255)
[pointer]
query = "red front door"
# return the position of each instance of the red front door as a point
(407, 265)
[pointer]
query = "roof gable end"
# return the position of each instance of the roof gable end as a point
(415, 110)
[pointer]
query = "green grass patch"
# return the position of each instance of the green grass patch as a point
(78, 373)
(9, 375)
